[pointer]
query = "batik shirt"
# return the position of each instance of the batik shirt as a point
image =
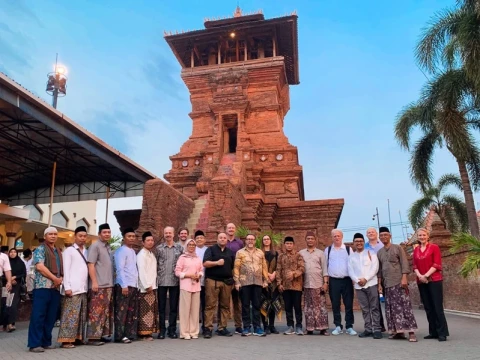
(166, 261)
(250, 268)
(40, 281)
(293, 262)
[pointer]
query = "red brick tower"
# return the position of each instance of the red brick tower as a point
(238, 160)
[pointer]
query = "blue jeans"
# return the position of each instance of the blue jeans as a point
(44, 314)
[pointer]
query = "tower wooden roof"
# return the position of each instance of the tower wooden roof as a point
(284, 29)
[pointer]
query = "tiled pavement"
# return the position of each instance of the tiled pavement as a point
(464, 343)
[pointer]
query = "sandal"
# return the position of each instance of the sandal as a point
(412, 338)
(147, 338)
(397, 336)
(95, 343)
(67, 346)
(126, 340)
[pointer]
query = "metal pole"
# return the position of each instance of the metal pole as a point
(378, 219)
(401, 222)
(389, 218)
(52, 190)
(55, 90)
(106, 210)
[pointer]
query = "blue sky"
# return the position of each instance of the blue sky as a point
(356, 71)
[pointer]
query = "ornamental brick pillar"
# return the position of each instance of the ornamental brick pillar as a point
(12, 227)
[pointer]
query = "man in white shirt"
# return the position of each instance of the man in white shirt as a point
(340, 285)
(363, 269)
(75, 284)
(200, 251)
(374, 245)
(147, 285)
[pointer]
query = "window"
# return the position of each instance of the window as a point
(35, 212)
(83, 222)
(60, 219)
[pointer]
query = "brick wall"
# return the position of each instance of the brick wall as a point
(163, 206)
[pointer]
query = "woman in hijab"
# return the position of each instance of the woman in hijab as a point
(189, 269)
(19, 272)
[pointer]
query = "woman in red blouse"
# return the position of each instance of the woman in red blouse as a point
(427, 264)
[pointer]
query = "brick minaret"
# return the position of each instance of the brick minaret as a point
(238, 71)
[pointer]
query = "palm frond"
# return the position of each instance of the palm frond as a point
(470, 265)
(473, 167)
(417, 211)
(465, 240)
(422, 159)
(457, 211)
(407, 119)
(440, 29)
(450, 179)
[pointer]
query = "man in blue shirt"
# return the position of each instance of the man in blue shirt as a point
(126, 289)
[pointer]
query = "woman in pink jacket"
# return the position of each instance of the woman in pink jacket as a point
(189, 269)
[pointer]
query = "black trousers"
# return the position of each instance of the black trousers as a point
(173, 296)
(432, 299)
(202, 307)
(342, 289)
(293, 302)
(382, 323)
(251, 294)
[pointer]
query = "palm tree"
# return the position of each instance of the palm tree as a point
(446, 114)
(450, 208)
(463, 241)
(452, 40)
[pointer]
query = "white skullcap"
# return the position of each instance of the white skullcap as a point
(49, 230)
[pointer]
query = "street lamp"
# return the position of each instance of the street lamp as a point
(375, 216)
(57, 84)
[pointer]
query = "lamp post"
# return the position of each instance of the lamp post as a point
(377, 217)
(57, 83)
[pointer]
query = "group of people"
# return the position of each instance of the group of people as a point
(123, 293)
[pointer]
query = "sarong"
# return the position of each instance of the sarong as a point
(315, 309)
(126, 313)
(271, 301)
(147, 313)
(73, 321)
(100, 314)
(398, 310)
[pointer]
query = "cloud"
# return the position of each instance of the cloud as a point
(112, 126)
(19, 10)
(163, 77)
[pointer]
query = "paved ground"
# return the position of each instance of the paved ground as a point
(464, 343)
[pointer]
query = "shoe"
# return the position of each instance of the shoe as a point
(37, 349)
(289, 331)
(238, 330)
(49, 347)
(377, 335)
(299, 330)
(187, 337)
(324, 333)
(429, 336)
(194, 336)
(337, 331)
(207, 334)
(309, 332)
(267, 330)
(365, 334)
(351, 332)
(246, 332)
(273, 330)
(173, 335)
(259, 332)
(442, 338)
(161, 335)
(224, 332)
